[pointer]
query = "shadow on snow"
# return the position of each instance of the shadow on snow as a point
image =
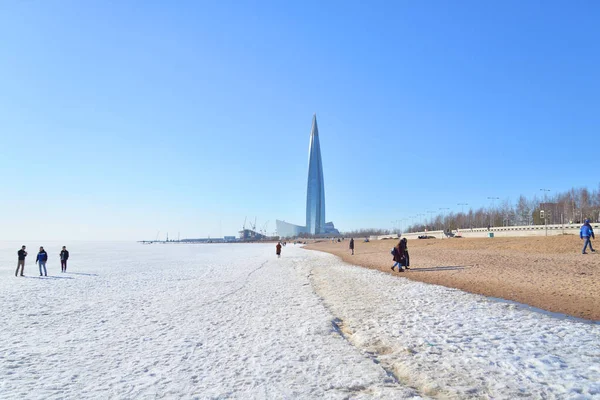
(80, 273)
(49, 277)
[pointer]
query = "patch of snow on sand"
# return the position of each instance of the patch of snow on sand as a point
(176, 321)
(452, 344)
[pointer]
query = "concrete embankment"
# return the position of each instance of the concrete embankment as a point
(500, 231)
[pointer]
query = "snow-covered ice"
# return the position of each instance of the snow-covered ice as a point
(232, 321)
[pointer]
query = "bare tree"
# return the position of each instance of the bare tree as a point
(573, 205)
(523, 211)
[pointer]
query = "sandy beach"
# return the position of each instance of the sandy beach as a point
(545, 272)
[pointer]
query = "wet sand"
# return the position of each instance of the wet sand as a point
(545, 272)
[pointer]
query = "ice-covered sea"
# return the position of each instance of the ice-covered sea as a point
(133, 321)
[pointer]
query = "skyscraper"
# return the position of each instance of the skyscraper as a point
(315, 190)
(315, 195)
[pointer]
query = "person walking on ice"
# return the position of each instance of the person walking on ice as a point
(64, 256)
(351, 245)
(41, 259)
(585, 233)
(21, 263)
(278, 250)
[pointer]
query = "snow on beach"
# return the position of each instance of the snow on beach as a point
(170, 321)
(449, 343)
(232, 321)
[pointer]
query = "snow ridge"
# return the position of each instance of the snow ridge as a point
(450, 344)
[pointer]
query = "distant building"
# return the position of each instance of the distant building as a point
(315, 188)
(330, 229)
(203, 240)
(248, 234)
(285, 229)
(315, 195)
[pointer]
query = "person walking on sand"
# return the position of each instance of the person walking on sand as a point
(278, 250)
(585, 233)
(406, 256)
(400, 253)
(21, 263)
(351, 245)
(41, 259)
(64, 256)
(394, 251)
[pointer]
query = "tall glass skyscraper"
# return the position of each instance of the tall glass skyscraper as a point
(315, 191)
(315, 195)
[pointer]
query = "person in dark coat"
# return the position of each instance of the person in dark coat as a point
(278, 250)
(21, 254)
(400, 253)
(41, 259)
(351, 245)
(64, 256)
(394, 252)
(406, 256)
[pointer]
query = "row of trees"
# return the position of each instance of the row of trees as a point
(351, 234)
(572, 206)
(366, 232)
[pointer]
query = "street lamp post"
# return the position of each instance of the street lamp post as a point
(545, 213)
(443, 209)
(492, 210)
(421, 215)
(431, 216)
(431, 213)
(462, 210)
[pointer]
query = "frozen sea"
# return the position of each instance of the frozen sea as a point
(133, 321)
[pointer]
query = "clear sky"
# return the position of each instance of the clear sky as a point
(119, 119)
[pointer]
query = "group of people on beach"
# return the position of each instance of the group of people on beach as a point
(41, 260)
(399, 252)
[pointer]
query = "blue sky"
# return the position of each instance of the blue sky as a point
(122, 119)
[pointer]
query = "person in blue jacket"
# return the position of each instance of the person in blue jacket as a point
(586, 233)
(41, 259)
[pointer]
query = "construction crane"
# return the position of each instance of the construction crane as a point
(253, 226)
(244, 226)
(264, 228)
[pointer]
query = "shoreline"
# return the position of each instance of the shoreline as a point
(547, 273)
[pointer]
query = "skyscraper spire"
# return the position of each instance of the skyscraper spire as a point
(315, 192)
